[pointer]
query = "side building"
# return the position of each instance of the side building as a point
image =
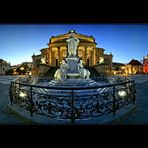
(118, 68)
(88, 51)
(145, 64)
(3, 66)
(134, 67)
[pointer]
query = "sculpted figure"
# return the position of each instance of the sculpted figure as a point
(72, 45)
(60, 74)
(84, 73)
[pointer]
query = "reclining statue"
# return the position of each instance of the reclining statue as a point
(60, 74)
(84, 73)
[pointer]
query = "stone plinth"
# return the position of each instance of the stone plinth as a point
(73, 70)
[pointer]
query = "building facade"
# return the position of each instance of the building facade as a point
(3, 66)
(57, 50)
(134, 67)
(104, 64)
(118, 68)
(14, 69)
(145, 64)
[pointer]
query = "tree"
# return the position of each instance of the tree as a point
(9, 72)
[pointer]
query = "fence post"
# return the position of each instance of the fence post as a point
(72, 107)
(114, 100)
(11, 94)
(31, 102)
(133, 91)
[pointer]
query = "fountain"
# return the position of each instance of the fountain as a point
(71, 71)
(70, 96)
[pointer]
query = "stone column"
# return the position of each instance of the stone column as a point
(50, 56)
(94, 56)
(66, 51)
(77, 52)
(58, 56)
(85, 48)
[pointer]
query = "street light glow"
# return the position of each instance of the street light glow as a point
(22, 94)
(122, 93)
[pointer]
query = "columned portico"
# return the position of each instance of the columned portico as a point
(58, 56)
(94, 57)
(85, 57)
(87, 50)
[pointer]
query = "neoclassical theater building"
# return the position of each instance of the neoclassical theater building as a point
(87, 50)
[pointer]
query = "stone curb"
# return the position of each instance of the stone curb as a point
(126, 115)
(18, 115)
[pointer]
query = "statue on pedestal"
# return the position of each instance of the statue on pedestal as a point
(72, 45)
(72, 66)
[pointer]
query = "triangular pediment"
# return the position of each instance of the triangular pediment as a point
(64, 37)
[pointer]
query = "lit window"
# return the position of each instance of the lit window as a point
(101, 60)
(43, 60)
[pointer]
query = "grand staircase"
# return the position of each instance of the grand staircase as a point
(51, 71)
(93, 72)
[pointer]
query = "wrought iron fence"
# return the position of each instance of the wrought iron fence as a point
(72, 103)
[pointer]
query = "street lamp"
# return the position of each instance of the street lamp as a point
(23, 94)
(122, 93)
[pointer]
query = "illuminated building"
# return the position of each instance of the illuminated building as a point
(145, 64)
(3, 66)
(134, 67)
(88, 51)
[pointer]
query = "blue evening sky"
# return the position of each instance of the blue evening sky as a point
(124, 41)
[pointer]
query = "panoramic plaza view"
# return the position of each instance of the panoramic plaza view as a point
(74, 74)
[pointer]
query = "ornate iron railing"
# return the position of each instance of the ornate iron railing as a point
(72, 103)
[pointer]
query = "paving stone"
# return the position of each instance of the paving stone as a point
(5, 116)
(141, 115)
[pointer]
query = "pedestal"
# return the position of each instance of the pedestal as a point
(73, 70)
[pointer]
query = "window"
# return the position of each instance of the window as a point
(101, 60)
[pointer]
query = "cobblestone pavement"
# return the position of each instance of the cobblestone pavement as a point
(5, 116)
(141, 115)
